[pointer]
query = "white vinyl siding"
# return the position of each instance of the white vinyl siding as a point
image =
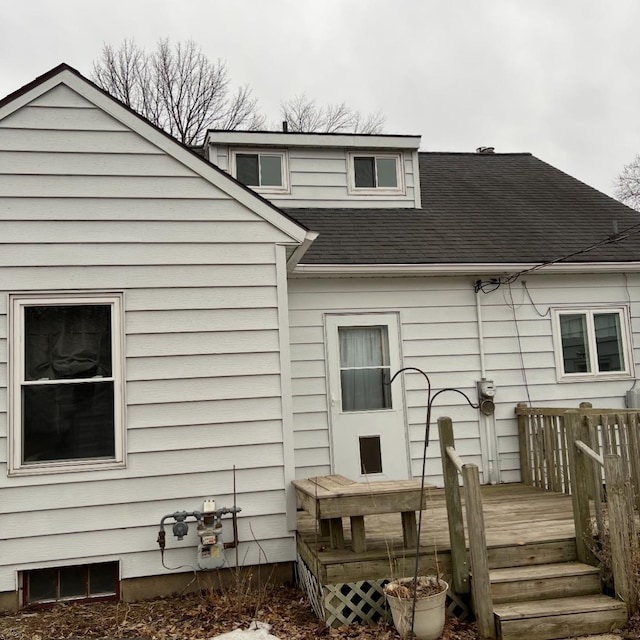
(439, 334)
(319, 177)
(88, 205)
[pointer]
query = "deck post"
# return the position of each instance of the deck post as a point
(580, 480)
(620, 521)
(634, 457)
(459, 558)
(524, 444)
(480, 583)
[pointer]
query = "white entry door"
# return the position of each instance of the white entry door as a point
(368, 429)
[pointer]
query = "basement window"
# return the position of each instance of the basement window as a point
(82, 582)
(592, 343)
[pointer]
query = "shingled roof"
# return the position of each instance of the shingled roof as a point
(480, 208)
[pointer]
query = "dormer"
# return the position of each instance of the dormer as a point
(333, 170)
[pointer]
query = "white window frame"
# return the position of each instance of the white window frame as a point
(284, 164)
(17, 305)
(400, 189)
(594, 374)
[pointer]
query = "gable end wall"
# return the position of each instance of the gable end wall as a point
(86, 204)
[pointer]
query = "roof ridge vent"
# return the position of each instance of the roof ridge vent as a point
(486, 150)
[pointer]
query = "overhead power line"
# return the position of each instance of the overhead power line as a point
(487, 286)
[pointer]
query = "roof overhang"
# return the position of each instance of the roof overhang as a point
(301, 249)
(481, 268)
(342, 140)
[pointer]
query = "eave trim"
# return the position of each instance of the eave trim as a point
(440, 269)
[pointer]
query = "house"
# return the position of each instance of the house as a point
(177, 328)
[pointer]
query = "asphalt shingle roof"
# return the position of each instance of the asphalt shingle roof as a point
(479, 208)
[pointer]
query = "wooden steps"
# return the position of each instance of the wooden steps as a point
(532, 553)
(559, 617)
(543, 581)
(546, 594)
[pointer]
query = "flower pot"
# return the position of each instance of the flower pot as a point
(430, 606)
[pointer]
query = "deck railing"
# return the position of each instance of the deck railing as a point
(478, 558)
(544, 451)
(590, 471)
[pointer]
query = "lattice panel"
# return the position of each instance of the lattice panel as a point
(311, 586)
(456, 605)
(354, 602)
(358, 602)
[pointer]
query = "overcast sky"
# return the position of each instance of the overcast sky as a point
(558, 78)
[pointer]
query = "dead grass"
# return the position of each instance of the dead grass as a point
(197, 616)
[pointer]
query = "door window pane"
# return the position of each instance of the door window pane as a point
(365, 389)
(370, 455)
(364, 368)
(363, 347)
(575, 346)
(609, 341)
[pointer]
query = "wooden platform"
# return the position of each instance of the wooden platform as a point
(330, 498)
(537, 586)
(516, 516)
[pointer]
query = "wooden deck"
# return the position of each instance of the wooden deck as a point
(517, 517)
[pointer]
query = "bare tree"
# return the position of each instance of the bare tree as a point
(627, 185)
(305, 114)
(177, 88)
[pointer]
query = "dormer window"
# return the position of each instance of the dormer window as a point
(375, 173)
(262, 171)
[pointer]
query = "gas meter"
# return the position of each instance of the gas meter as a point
(209, 529)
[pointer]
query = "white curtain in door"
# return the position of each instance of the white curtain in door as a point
(364, 363)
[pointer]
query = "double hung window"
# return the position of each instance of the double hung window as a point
(592, 343)
(66, 382)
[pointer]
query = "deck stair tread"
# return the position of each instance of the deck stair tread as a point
(556, 618)
(557, 607)
(542, 572)
(543, 581)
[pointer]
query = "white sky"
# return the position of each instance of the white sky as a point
(559, 78)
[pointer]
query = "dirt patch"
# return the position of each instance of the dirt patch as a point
(197, 616)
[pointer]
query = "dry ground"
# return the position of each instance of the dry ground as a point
(194, 617)
(199, 616)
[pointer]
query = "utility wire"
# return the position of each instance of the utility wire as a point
(523, 369)
(533, 304)
(488, 286)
